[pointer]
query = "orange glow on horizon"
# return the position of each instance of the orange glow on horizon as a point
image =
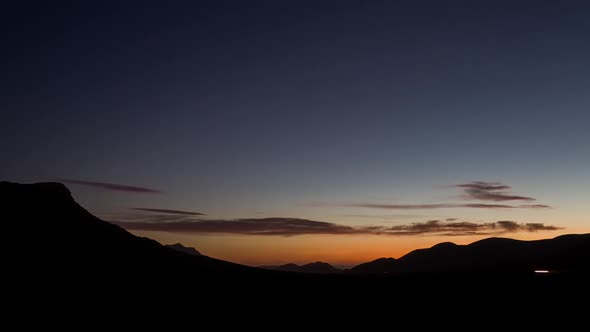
(338, 250)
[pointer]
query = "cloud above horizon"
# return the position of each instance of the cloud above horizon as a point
(253, 226)
(168, 211)
(437, 227)
(445, 206)
(489, 191)
(112, 186)
(294, 226)
(475, 190)
(180, 221)
(535, 206)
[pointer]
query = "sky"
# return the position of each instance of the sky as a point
(270, 132)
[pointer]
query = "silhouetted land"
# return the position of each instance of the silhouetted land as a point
(60, 247)
(181, 248)
(316, 267)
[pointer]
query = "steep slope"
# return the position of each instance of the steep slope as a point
(65, 237)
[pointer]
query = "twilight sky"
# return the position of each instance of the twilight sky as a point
(295, 131)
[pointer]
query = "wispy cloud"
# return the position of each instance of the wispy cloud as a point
(167, 211)
(534, 206)
(112, 186)
(262, 226)
(293, 226)
(390, 217)
(533, 227)
(431, 206)
(118, 218)
(490, 191)
(437, 227)
(476, 190)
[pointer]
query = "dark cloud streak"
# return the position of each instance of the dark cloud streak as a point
(490, 191)
(437, 227)
(534, 206)
(112, 186)
(168, 211)
(293, 227)
(263, 226)
(476, 190)
(431, 206)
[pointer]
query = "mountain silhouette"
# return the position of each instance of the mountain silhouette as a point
(181, 248)
(291, 267)
(320, 267)
(316, 267)
(55, 244)
(565, 253)
(378, 266)
(68, 239)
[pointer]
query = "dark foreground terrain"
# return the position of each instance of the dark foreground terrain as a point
(57, 248)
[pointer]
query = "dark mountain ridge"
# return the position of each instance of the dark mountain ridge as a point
(66, 237)
(316, 267)
(380, 265)
(70, 250)
(564, 253)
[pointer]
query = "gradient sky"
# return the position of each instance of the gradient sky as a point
(365, 116)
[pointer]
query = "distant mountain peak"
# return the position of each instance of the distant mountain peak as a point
(445, 245)
(318, 264)
(384, 259)
(315, 267)
(319, 267)
(181, 248)
(491, 241)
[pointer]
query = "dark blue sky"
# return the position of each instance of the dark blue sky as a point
(273, 108)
